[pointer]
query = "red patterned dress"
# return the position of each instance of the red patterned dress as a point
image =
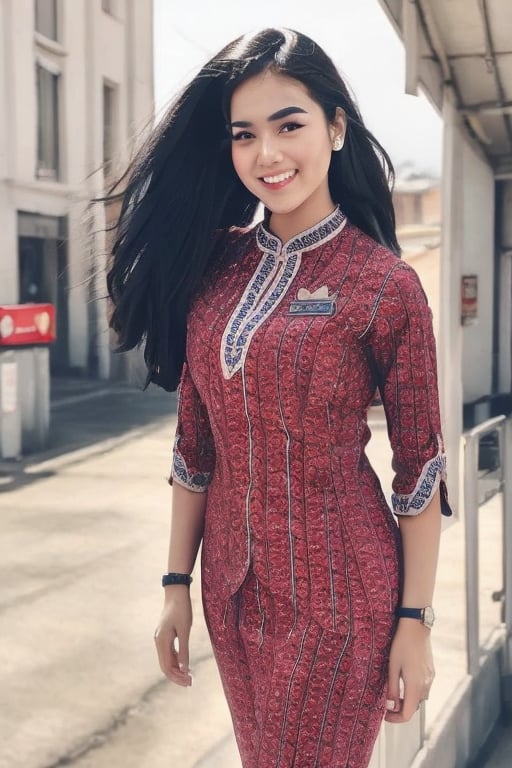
(301, 552)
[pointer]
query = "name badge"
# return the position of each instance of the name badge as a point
(313, 307)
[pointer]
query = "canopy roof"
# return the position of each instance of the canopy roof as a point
(466, 44)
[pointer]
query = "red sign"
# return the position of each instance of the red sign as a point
(469, 299)
(22, 324)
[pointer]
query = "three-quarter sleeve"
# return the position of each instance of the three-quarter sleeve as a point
(194, 451)
(402, 345)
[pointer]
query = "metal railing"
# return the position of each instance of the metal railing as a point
(411, 745)
(503, 428)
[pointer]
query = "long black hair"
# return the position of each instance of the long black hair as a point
(181, 190)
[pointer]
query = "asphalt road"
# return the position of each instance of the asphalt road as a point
(83, 546)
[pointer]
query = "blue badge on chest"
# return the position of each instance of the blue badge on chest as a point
(313, 307)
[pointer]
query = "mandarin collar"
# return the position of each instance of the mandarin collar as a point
(312, 237)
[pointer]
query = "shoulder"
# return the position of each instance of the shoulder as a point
(386, 287)
(232, 238)
(229, 245)
(372, 257)
(387, 273)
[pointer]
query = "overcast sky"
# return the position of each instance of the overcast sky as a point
(356, 34)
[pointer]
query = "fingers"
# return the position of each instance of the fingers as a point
(393, 700)
(173, 661)
(182, 655)
(410, 675)
(404, 708)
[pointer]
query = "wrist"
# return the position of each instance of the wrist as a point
(413, 627)
(176, 593)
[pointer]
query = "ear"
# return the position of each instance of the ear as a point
(338, 127)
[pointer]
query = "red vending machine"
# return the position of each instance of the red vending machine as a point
(26, 330)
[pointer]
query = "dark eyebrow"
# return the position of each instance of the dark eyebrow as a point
(275, 116)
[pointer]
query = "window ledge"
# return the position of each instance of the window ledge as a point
(52, 46)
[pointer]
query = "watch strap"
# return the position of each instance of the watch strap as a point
(409, 613)
(176, 578)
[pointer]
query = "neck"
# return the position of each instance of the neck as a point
(286, 225)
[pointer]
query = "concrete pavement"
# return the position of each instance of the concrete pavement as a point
(83, 546)
(84, 542)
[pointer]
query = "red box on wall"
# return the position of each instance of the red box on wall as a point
(26, 324)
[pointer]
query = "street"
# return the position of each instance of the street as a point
(84, 544)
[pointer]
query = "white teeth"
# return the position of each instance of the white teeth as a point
(277, 179)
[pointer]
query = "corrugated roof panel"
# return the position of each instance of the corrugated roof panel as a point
(448, 15)
(475, 83)
(500, 23)
(494, 128)
(504, 65)
(469, 42)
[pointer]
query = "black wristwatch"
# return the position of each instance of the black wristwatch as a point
(424, 615)
(176, 578)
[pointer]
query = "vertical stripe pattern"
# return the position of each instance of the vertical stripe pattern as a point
(311, 698)
(301, 553)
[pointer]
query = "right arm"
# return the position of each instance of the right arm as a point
(192, 468)
(188, 508)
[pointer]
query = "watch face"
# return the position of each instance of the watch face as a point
(428, 616)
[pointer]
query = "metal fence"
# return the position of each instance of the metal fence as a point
(476, 472)
(487, 482)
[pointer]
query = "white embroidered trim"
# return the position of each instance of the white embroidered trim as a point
(199, 481)
(261, 297)
(428, 482)
(317, 235)
(268, 287)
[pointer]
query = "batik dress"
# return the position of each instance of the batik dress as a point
(286, 343)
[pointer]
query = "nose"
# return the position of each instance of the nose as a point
(269, 151)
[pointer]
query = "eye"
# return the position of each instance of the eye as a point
(289, 127)
(242, 136)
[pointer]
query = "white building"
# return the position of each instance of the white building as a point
(459, 52)
(76, 87)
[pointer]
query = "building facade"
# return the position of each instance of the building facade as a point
(76, 89)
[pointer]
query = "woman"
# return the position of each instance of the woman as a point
(317, 602)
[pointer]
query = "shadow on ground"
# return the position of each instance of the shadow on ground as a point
(81, 419)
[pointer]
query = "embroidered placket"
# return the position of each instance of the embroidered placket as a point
(269, 285)
(261, 297)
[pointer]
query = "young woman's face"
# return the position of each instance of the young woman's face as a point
(282, 144)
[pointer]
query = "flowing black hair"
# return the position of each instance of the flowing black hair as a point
(182, 189)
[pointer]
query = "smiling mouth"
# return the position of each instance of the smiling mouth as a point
(279, 179)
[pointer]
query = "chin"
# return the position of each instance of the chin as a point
(282, 209)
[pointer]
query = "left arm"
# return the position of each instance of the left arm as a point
(403, 347)
(411, 654)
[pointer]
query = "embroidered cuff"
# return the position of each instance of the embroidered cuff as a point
(433, 473)
(194, 481)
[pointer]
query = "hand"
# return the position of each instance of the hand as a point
(411, 663)
(174, 627)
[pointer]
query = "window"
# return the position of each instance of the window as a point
(107, 6)
(109, 126)
(47, 123)
(46, 18)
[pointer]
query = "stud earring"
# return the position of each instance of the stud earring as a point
(338, 143)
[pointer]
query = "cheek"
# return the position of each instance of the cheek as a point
(240, 162)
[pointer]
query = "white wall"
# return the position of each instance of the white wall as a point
(478, 259)
(465, 352)
(450, 336)
(8, 246)
(93, 47)
(505, 290)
